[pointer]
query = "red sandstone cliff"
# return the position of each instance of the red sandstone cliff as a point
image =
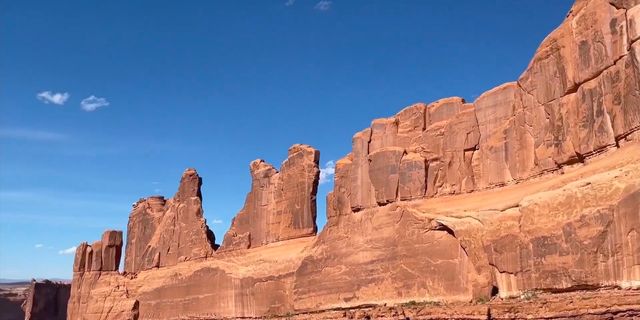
(281, 205)
(533, 187)
(164, 232)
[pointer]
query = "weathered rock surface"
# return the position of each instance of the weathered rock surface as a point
(532, 188)
(281, 205)
(97, 284)
(579, 96)
(505, 243)
(164, 232)
(609, 304)
(47, 300)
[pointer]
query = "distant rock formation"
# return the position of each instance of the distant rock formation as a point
(534, 187)
(12, 296)
(281, 205)
(164, 232)
(47, 300)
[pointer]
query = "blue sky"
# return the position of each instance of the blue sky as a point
(105, 102)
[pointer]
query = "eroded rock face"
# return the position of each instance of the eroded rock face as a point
(503, 242)
(441, 202)
(164, 232)
(97, 284)
(281, 205)
(578, 97)
(47, 300)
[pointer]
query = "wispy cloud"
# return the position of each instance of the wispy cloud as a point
(216, 221)
(71, 250)
(323, 5)
(39, 245)
(30, 134)
(289, 3)
(327, 172)
(92, 103)
(58, 98)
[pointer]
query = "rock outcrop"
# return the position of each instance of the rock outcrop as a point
(164, 232)
(281, 205)
(47, 300)
(578, 97)
(97, 283)
(532, 188)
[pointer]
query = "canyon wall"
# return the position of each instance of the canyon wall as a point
(47, 300)
(533, 187)
(579, 96)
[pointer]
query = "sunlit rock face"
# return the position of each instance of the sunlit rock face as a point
(532, 187)
(281, 204)
(164, 232)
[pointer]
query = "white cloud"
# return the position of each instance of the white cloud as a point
(30, 134)
(58, 98)
(216, 221)
(71, 250)
(323, 5)
(290, 3)
(327, 172)
(92, 103)
(39, 245)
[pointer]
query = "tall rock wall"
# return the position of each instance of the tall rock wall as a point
(533, 187)
(579, 96)
(281, 205)
(47, 300)
(164, 232)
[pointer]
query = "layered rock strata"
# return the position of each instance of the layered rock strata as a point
(281, 204)
(533, 187)
(162, 232)
(47, 300)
